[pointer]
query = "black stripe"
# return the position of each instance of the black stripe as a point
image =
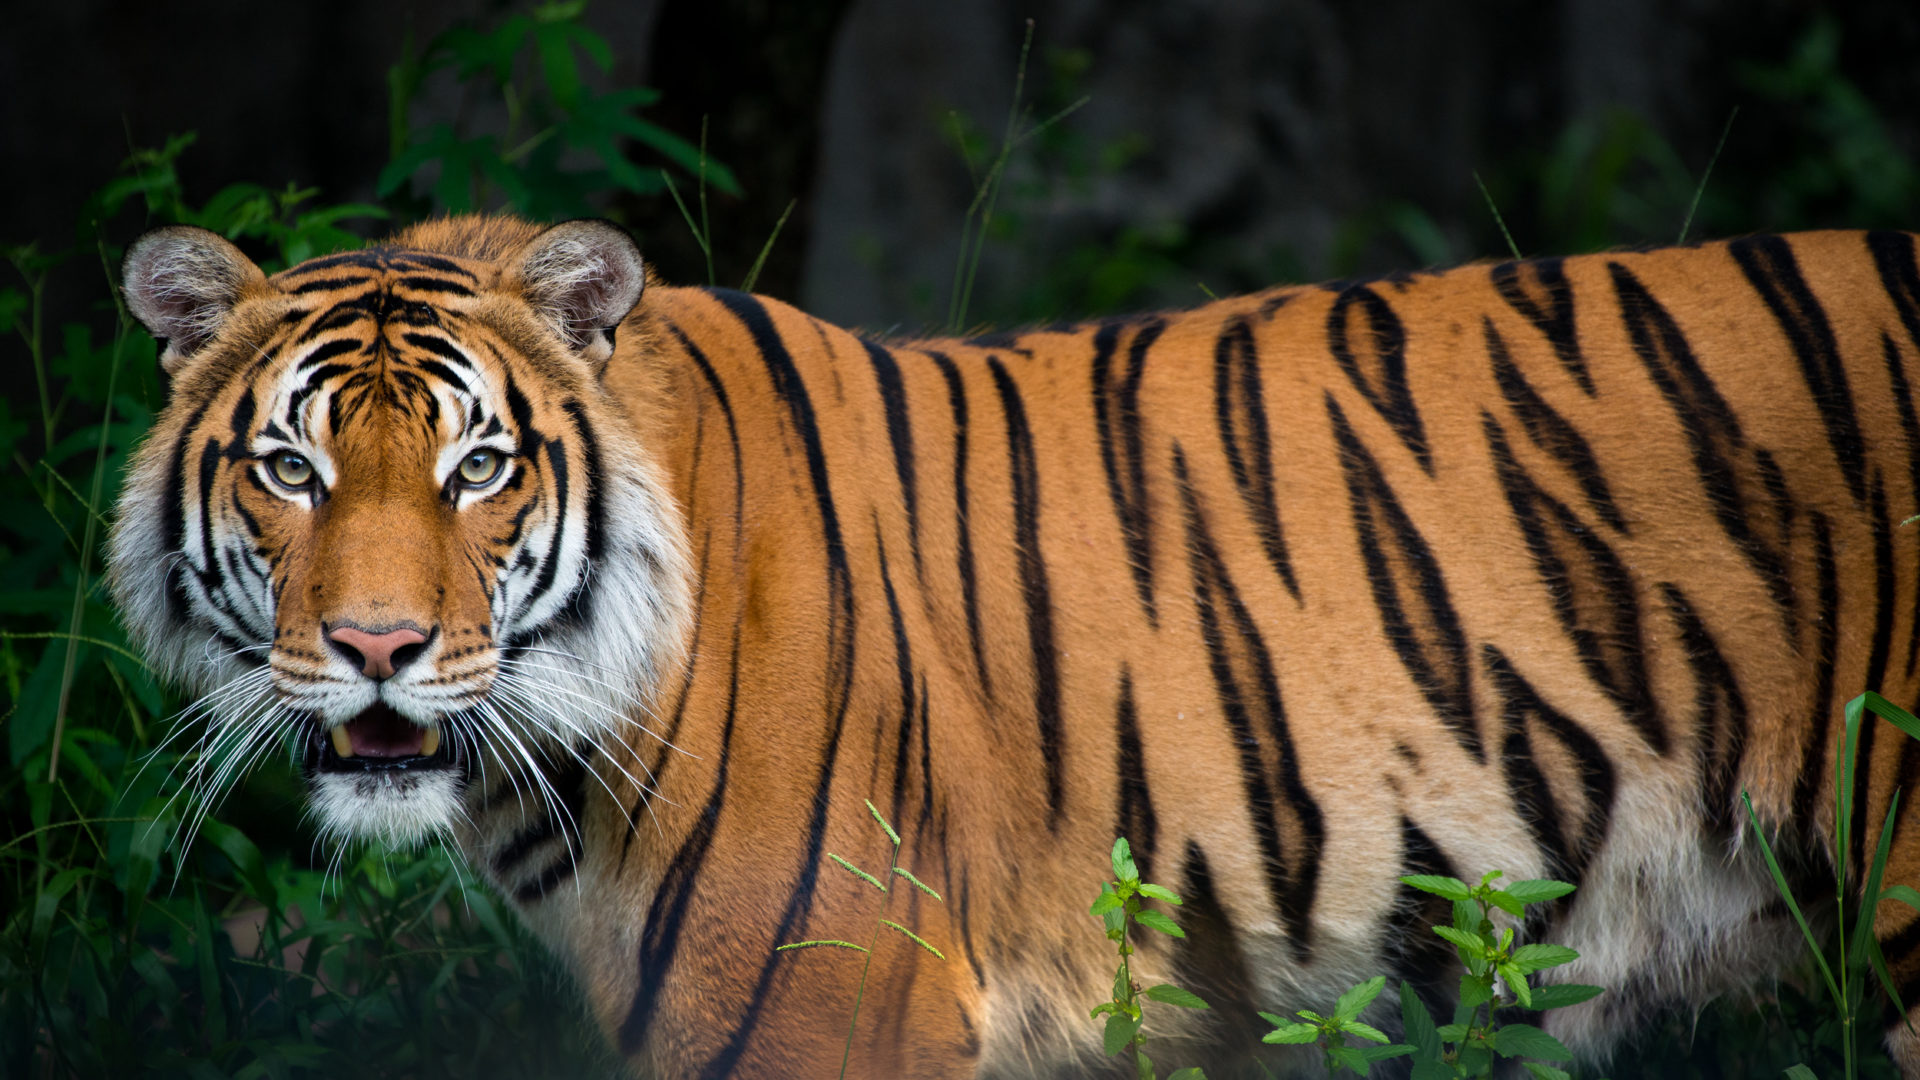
(592, 476)
(893, 398)
(1551, 432)
(428, 284)
(438, 346)
(668, 739)
(1827, 622)
(1882, 643)
(792, 390)
(336, 282)
(1116, 413)
(1568, 827)
(1210, 961)
(666, 915)
(1589, 587)
(1719, 714)
(569, 784)
(969, 588)
(1374, 356)
(1413, 952)
(1737, 477)
(1910, 434)
(556, 547)
(1023, 468)
(1135, 819)
(1240, 409)
(726, 413)
(1249, 696)
(903, 668)
(1408, 590)
(1539, 291)
(1770, 266)
(323, 353)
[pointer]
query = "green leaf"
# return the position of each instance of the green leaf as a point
(1358, 998)
(1517, 983)
(1465, 939)
(1107, 901)
(1191, 1072)
(1365, 1031)
(1169, 994)
(1122, 858)
(1119, 1032)
(1532, 958)
(1891, 713)
(1374, 1054)
(1417, 1022)
(1903, 893)
(1507, 903)
(1525, 1040)
(1800, 1072)
(857, 872)
(916, 882)
(1160, 893)
(916, 938)
(836, 943)
(1786, 893)
(1347, 1057)
(1545, 1072)
(1449, 887)
(1159, 922)
(1538, 890)
(1426, 1068)
(1291, 1034)
(1474, 992)
(1452, 1033)
(891, 835)
(1561, 995)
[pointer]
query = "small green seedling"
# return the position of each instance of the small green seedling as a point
(894, 870)
(1120, 905)
(1332, 1032)
(1495, 979)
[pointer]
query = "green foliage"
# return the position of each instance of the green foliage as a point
(126, 946)
(1858, 952)
(551, 122)
(1495, 978)
(1333, 1031)
(885, 884)
(1120, 906)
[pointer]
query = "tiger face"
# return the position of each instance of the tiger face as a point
(390, 516)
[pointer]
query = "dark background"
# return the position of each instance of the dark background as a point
(1225, 142)
(1223, 145)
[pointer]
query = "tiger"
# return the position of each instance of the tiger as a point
(634, 594)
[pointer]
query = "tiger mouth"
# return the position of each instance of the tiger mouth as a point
(376, 740)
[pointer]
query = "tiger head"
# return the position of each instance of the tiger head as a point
(391, 516)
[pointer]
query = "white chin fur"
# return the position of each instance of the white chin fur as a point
(395, 808)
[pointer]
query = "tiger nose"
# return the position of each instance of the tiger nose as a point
(378, 655)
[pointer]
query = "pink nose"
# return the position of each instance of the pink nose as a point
(376, 652)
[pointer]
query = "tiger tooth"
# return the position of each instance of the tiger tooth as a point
(430, 743)
(341, 744)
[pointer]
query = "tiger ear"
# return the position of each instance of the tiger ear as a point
(182, 282)
(583, 277)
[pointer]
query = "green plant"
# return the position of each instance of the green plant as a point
(880, 920)
(1333, 1031)
(1845, 979)
(529, 162)
(1120, 906)
(1495, 975)
(1495, 979)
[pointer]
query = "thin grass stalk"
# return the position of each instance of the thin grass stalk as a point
(846, 1053)
(86, 544)
(1702, 188)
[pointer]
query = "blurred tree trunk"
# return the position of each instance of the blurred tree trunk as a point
(753, 69)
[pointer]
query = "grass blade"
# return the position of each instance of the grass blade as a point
(1786, 893)
(760, 260)
(1702, 189)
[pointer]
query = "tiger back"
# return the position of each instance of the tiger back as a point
(1533, 567)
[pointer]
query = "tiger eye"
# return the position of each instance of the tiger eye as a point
(290, 469)
(480, 466)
